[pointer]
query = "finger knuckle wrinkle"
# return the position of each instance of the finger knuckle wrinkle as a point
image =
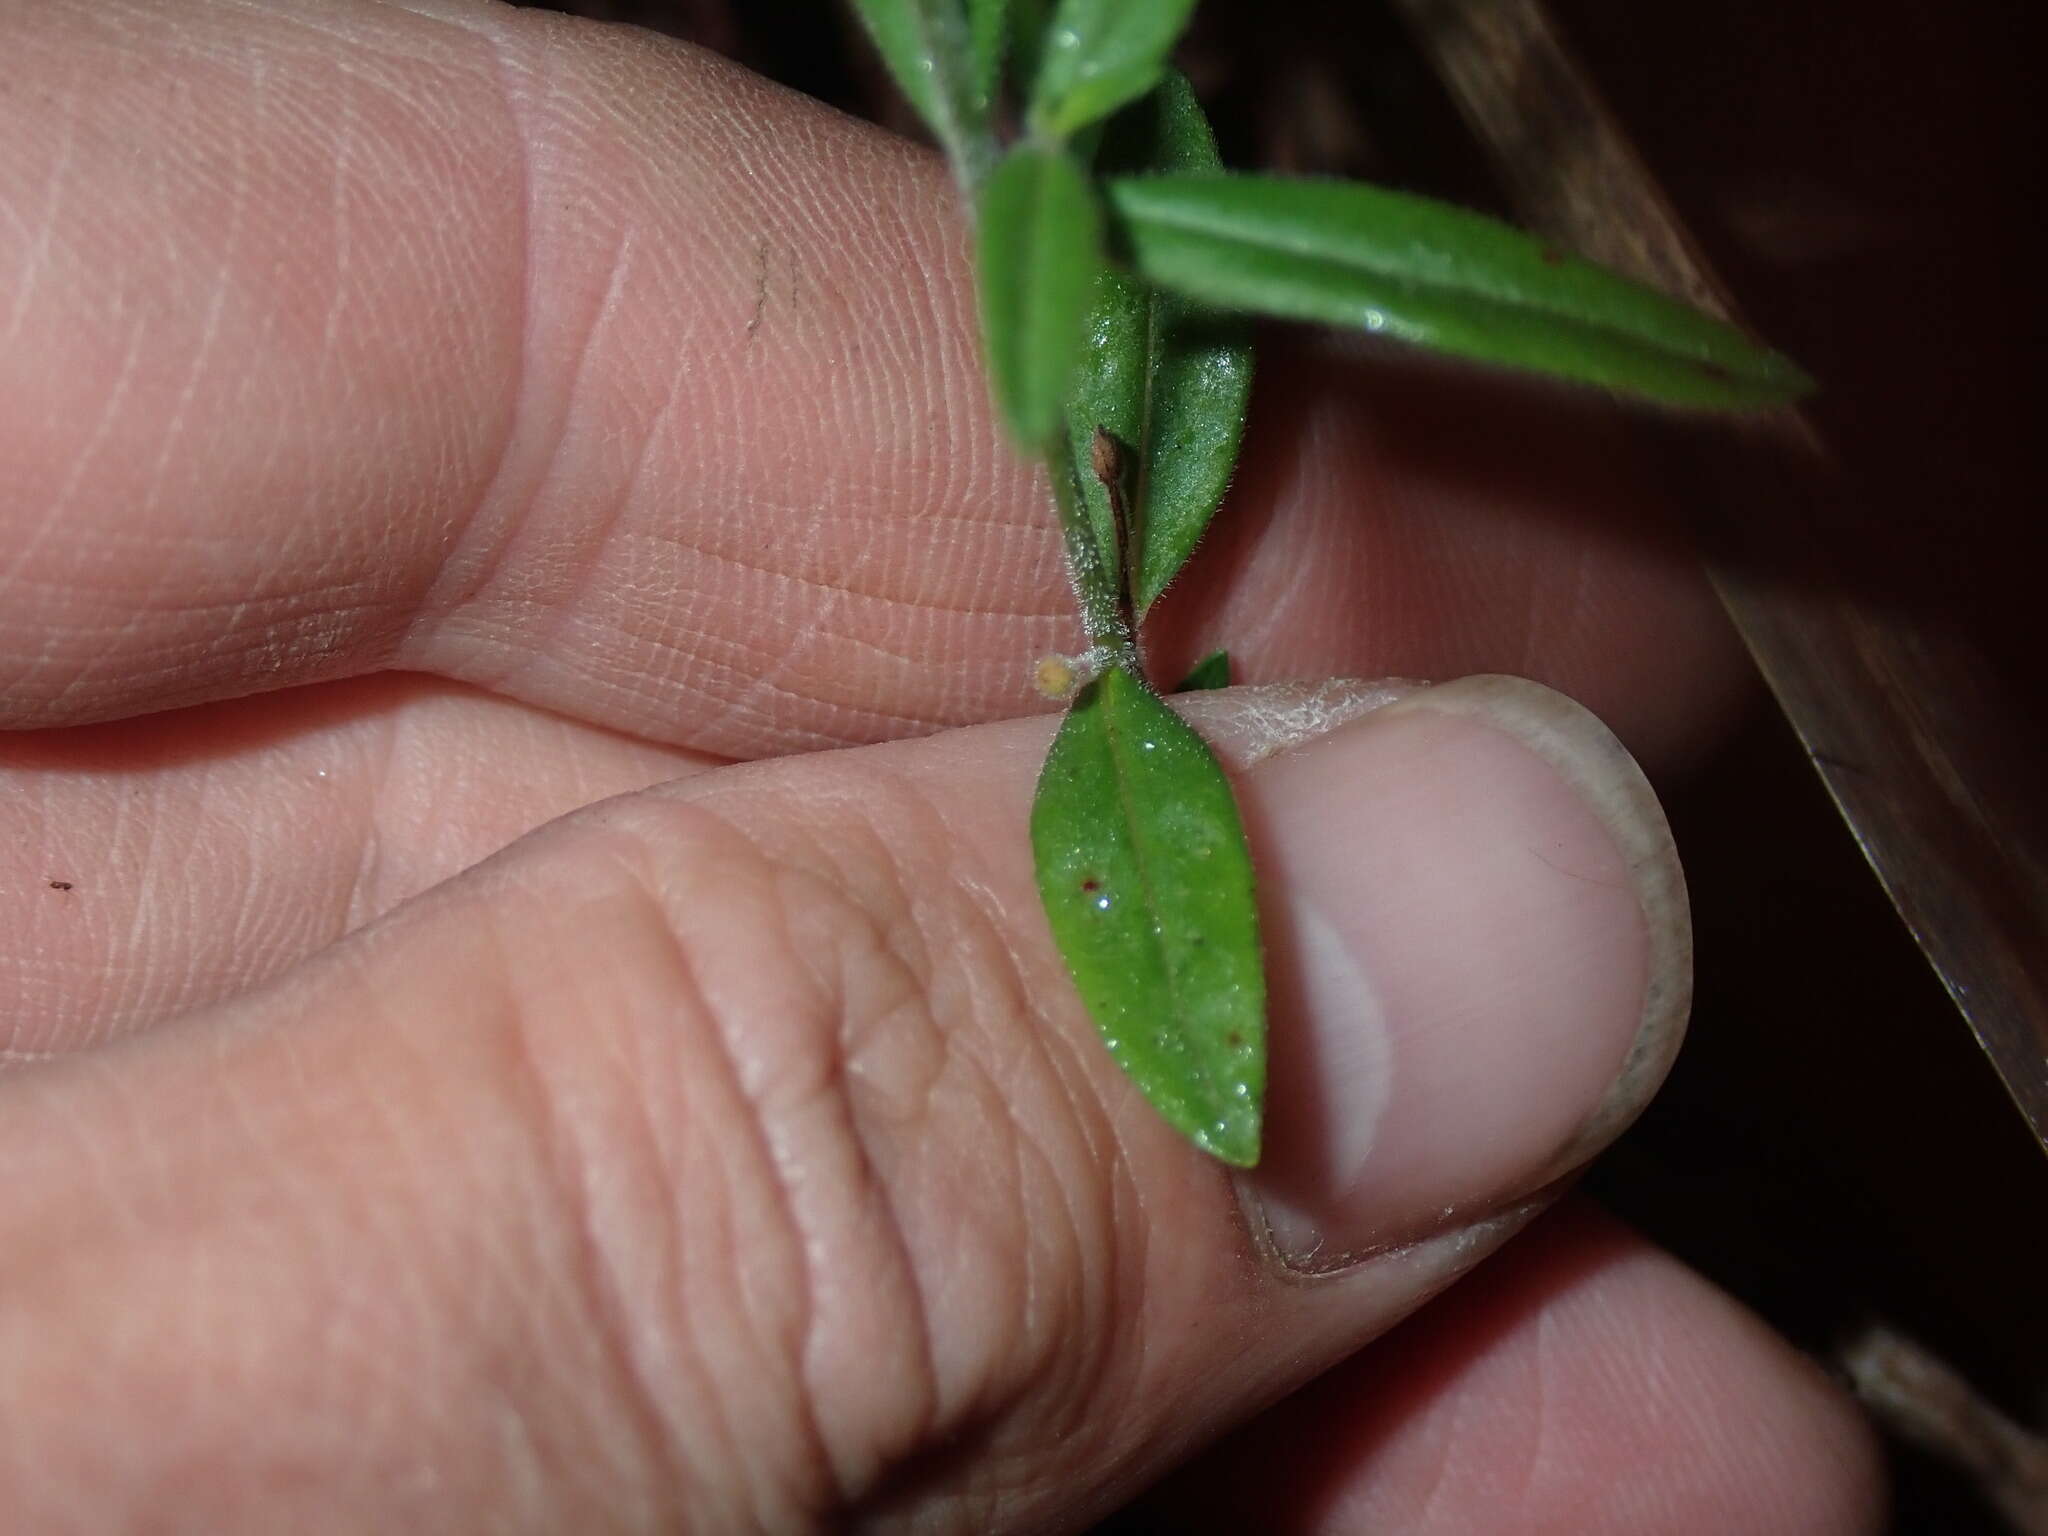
(688, 1266)
(846, 1061)
(741, 1248)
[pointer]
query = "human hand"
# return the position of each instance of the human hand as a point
(418, 426)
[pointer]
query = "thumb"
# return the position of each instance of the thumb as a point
(736, 1155)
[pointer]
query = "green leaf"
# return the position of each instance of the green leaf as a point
(1440, 277)
(1164, 132)
(1040, 253)
(1146, 882)
(932, 56)
(988, 30)
(1167, 377)
(1100, 54)
(1212, 671)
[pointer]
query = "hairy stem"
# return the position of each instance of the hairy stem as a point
(1092, 570)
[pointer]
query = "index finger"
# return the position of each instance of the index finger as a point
(584, 366)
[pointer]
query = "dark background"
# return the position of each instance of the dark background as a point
(1833, 1145)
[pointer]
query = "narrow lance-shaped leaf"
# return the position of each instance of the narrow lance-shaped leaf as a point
(988, 36)
(1165, 376)
(931, 55)
(1040, 252)
(1146, 883)
(1212, 671)
(1438, 276)
(1100, 54)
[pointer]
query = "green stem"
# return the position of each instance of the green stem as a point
(972, 159)
(1104, 613)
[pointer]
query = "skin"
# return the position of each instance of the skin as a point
(477, 1063)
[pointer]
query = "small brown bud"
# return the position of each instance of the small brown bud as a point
(1107, 459)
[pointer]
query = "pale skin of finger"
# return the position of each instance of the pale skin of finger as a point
(588, 368)
(207, 493)
(731, 1218)
(729, 1155)
(425, 433)
(1581, 1382)
(166, 863)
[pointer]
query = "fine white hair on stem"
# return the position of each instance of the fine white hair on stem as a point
(1248, 725)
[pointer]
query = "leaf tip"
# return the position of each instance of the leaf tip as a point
(1794, 380)
(1212, 671)
(1767, 378)
(1232, 1139)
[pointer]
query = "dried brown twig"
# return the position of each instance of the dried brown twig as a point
(1925, 1400)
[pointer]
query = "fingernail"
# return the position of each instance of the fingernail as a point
(1480, 962)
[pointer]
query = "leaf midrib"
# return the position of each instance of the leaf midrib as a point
(1730, 349)
(1032, 298)
(1140, 846)
(1140, 530)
